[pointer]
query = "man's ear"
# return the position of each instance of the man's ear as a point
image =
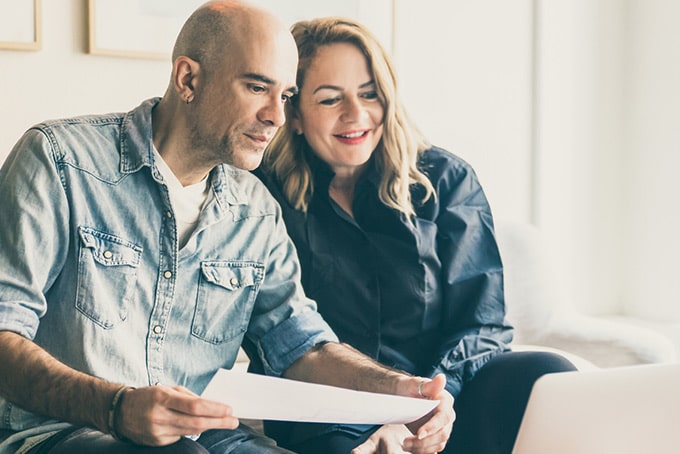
(185, 76)
(295, 123)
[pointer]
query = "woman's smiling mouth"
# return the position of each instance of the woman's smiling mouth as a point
(353, 137)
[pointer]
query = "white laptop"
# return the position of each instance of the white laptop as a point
(624, 410)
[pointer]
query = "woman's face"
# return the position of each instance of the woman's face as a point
(340, 113)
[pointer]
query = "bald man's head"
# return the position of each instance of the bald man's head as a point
(219, 28)
(234, 69)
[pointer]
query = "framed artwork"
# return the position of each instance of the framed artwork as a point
(136, 28)
(148, 28)
(21, 24)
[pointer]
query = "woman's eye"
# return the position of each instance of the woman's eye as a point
(370, 95)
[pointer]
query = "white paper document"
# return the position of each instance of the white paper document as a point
(253, 396)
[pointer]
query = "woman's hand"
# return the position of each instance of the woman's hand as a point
(432, 431)
(389, 439)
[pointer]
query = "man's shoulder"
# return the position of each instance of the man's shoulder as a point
(93, 129)
(72, 125)
(246, 188)
(70, 135)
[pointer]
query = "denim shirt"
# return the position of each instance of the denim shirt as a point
(90, 267)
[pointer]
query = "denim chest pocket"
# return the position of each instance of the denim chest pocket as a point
(107, 274)
(226, 295)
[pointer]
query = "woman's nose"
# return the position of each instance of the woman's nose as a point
(352, 110)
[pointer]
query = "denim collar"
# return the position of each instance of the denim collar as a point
(136, 152)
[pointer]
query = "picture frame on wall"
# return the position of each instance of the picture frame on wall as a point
(21, 24)
(136, 28)
(148, 28)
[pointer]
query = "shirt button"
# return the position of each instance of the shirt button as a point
(233, 281)
(169, 214)
(108, 254)
(157, 329)
(167, 274)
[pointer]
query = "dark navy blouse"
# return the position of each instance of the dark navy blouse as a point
(425, 297)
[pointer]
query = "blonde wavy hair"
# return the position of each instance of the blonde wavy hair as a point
(397, 153)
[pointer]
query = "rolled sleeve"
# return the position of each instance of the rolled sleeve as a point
(15, 318)
(291, 339)
(33, 231)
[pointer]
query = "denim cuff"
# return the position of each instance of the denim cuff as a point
(291, 339)
(19, 320)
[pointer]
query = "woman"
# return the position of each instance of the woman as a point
(396, 243)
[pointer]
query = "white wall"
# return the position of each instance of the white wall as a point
(609, 148)
(579, 119)
(62, 80)
(465, 71)
(567, 109)
(651, 281)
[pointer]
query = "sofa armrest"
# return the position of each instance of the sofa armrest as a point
(606, 343)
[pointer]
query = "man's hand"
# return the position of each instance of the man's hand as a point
(433, 430)
(160, 415)
(342, 365)
(389, 439)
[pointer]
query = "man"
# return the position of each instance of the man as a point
(137, 254)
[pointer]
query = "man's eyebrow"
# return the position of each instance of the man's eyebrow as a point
(336, 88)
(266, 80)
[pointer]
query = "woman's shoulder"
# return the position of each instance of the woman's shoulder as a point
(436, 162)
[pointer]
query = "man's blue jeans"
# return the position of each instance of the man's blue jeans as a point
(242, 440)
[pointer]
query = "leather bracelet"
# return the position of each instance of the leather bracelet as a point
(113, 411)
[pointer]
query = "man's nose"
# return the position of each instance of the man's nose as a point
(273, 113)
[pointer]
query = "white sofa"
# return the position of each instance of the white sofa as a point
(545, 318)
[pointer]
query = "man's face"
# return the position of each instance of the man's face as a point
(241, 105)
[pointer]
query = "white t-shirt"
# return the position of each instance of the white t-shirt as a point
(187, 201)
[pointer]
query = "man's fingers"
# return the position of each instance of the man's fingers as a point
(440, 421)
(184, 401)
(159, 415)
(432, 387)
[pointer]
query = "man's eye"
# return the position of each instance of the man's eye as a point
(285, 98)
(330, 101)
(257, 88)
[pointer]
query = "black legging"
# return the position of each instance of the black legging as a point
(489, 408)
